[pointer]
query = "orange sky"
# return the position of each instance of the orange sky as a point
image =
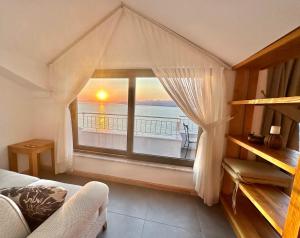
(117, 90)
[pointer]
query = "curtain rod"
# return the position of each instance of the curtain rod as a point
(111, 13)
(161, 26)
(167, 29)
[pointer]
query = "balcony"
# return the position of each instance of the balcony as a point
(162, 136)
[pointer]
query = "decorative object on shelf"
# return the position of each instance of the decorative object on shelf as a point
(274, 140)
(256, 139)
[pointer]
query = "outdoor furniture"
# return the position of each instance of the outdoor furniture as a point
(188, 139)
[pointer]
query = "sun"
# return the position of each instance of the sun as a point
(102, 95)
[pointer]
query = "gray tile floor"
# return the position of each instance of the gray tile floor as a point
(135, 212)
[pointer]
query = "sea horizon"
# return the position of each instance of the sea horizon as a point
(162, 103)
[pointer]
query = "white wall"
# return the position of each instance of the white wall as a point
(22, 81)
(23, 69)
(134, 170)
(16, 118)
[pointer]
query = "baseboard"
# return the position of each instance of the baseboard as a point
(139, 183)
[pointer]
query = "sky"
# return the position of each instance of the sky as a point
(116, 90)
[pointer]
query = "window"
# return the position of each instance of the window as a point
(128, 113)
(102, 113)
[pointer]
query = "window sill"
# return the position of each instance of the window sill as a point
(134, 162)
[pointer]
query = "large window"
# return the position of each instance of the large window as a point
(128, 113)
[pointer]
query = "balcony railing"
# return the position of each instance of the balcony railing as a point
(143, 125)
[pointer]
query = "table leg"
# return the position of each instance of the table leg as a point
(53, 160)
(13, 161)
(39, 161)
(33, 164)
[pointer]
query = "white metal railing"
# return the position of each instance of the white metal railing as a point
(165, 126)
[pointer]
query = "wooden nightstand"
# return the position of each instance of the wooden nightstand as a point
(32, 148)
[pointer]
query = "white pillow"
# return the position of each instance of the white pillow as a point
(12, 222)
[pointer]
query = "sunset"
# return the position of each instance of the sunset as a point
(105, 90)
(102, 95)
(115, 90)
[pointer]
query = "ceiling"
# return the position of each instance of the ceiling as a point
(231, 29)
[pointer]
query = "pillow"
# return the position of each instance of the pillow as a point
(36, 203)
(12, 221)
(251, 171)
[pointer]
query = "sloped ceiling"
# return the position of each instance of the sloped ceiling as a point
(42, 28)
(230, 29)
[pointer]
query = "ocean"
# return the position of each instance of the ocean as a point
(121, 109)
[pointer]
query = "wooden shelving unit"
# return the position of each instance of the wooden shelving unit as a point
(256, 227)
(268, 101)
(263, 211)
(286, 160)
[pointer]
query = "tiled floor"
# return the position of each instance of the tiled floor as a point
(135, 212)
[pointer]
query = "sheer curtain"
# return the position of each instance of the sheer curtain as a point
(68, 75)
(196, 83)
(201, 96)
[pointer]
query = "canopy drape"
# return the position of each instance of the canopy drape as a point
(68, 75)
(194, 80)
(197, 84)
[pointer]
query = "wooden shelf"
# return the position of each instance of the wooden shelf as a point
(247, 222)
(270, 201)
(266, 101)
(286, 160)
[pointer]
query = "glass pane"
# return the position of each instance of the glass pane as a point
(160, 127)
(102, 113)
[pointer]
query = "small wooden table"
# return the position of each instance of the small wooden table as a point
(32, 148)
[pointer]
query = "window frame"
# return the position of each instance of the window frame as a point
(131, 75)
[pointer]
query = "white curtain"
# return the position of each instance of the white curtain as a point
(68, 75)
(201, 96)
(196, 83)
